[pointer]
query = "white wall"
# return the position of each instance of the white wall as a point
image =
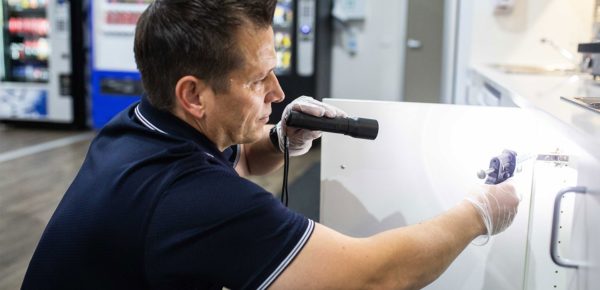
(516, 37)
(485, 37)
(375, 71)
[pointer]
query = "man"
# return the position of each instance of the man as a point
(159, 202)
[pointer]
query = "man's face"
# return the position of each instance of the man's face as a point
(242, 112)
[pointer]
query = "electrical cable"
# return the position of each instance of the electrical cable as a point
(286, 166)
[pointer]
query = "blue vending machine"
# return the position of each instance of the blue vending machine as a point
(116, 82)
(302, 42)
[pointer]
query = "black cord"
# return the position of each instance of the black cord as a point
(286, 166)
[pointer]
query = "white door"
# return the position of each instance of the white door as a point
(424, 51)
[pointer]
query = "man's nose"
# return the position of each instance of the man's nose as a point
(275, 94)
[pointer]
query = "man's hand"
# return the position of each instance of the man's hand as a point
(496, 204)
(300, 140)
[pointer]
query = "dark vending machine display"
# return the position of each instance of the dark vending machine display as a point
(42, 63)
(25, 41)
(283, 27)
(303, 47)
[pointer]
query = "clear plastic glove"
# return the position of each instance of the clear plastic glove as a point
(300, 140)
(497, 206)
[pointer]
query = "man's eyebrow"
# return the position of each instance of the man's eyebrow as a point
(263, 74)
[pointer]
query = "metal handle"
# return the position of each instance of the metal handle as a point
(414, 43)
(555, 219)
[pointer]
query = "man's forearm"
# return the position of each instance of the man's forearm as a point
(424, 251)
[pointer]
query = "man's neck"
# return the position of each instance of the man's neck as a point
(221, 143)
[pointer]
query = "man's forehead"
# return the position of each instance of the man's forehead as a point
(255, 40)
(257, 47)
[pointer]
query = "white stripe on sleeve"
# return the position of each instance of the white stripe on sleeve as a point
(290, 256)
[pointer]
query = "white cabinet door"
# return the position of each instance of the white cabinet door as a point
(549, 177)
(423, 162)
(578, 237)
(586, 226)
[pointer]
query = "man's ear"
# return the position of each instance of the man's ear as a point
(191, 95)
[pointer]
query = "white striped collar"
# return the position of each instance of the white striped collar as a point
(177, 128)
(145, 121)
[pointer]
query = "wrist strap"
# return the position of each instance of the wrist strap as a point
(274, 137)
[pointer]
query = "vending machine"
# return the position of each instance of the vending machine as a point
(42, 63)
(302, 42)
(115, 80)
(303, 45)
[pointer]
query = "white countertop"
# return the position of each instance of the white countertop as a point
(543, 93)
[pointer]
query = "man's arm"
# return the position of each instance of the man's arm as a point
(260, 157)
(404, 258)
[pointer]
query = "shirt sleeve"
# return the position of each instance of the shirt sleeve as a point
(218, 229)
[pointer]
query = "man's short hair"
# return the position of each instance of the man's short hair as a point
(175, 38)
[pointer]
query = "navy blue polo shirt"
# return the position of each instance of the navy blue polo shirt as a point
(156, 205)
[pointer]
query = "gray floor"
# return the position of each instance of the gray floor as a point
(36, 167)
